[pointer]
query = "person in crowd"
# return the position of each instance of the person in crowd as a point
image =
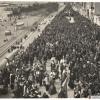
(52, 89)
(12, 80)
(47, 82)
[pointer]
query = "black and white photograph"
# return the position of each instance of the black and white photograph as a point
(49, 49)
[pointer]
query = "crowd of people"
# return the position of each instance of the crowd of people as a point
(75, 47)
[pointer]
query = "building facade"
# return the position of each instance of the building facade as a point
(90, 10)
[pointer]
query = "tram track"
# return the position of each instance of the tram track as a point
(4, 48)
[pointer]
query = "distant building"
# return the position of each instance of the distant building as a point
(97, 13)
(90, 10)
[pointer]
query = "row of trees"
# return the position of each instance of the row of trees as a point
(50, 7)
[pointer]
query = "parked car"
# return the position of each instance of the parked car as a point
(7, 33)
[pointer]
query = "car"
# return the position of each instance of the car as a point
(7, 33)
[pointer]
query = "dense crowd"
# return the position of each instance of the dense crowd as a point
(75, 47)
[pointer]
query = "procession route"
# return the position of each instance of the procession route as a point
(30, 39)
(33, 36)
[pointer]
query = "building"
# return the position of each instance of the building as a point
(97, 13)
(90, 10)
